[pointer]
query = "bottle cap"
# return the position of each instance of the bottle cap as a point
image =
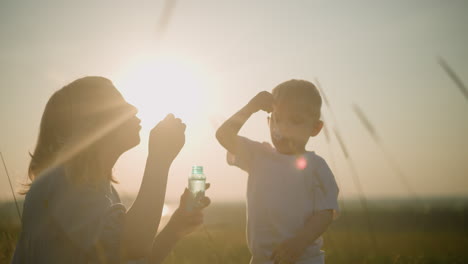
(197, 169)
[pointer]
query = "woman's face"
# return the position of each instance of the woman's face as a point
(124, 125)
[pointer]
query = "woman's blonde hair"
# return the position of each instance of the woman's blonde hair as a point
(72, 127)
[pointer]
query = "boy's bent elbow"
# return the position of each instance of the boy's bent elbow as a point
(326, 216)
(227, 138)
(223, 137)
(219, 135)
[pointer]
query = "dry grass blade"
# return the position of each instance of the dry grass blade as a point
(451, 73)
(356, 180)
(168, 10)
(367, 124)
(319, 86)
(399, 172)
(357, 183)
(341, 142)
(327, 134)
(11, 186)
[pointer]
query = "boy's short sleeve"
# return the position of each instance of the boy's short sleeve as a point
(326, 189)
(246, 151)
(92, 222)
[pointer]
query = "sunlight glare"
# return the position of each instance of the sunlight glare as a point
(166, 210)
(158, 85)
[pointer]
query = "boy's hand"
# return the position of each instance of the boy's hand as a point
(262, 101)
(167, 138)
(289, 251)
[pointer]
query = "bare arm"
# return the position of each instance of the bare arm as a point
(227, 134)
(163, 245)
(181, 224)
(143, 218)
(292, 249)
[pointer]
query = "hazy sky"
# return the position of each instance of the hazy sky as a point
(380, 55)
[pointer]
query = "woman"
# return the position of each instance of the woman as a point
(72, 213)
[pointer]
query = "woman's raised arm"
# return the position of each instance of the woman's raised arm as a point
(142, 219)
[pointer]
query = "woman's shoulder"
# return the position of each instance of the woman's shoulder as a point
(55, 191)
(41, 194)
(46, 184)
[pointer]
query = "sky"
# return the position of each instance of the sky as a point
(379, 55)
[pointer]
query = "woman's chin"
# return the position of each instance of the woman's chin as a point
(131, 143)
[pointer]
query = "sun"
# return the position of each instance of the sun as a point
(158, 85)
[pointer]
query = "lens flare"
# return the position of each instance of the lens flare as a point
(301, 163)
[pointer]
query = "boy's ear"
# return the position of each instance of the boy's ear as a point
(317, 128)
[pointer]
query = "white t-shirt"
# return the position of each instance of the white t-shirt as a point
(281, 197)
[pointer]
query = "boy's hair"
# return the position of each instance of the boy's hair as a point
(299, 92)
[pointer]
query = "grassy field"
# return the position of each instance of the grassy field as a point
(436, 234)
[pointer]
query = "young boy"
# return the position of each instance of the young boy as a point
(291, 193)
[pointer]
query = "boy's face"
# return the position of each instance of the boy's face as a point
(291, 126)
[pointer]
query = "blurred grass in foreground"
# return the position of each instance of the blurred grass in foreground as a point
(405, 234)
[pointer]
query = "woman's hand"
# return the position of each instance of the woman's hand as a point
(184, 222)
(167, 138)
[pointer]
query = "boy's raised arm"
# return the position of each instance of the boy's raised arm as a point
(227, 134)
